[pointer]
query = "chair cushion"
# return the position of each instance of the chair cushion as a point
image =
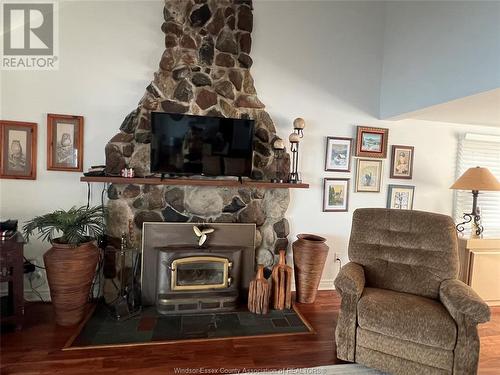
(404, 250)
(407, 317)
(409, 351)
(395, 365)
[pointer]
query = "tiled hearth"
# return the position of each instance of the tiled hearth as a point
(152, 327)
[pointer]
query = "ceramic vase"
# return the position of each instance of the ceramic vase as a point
(309, 257)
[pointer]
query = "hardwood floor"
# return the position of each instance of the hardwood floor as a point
(489, 356)
(37, 348)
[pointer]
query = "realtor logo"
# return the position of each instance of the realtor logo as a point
(29, 35)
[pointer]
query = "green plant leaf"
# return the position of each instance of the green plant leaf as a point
(70, 227)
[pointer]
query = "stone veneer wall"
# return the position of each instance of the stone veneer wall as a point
(204, 70)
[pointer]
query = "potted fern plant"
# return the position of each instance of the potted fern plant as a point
(71, 261)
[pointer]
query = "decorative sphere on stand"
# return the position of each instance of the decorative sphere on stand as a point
(299, 123)
(279, 144)
(298, 132)
(294, 138)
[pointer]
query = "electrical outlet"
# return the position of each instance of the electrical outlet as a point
(29, 267)
(337, 260)
(31, 270)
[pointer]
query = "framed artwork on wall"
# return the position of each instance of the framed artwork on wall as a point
(64, 143)
(335, 194)
(402, 162)
(368, 175)
(338, 154)
(400, 197)
(18, 150)
(371, 142)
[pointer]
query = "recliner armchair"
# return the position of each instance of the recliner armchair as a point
(403, 311)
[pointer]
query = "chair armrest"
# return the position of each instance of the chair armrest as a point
(350, 283)
(458, 297)
(351, 279)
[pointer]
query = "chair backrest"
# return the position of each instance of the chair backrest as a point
(405, 251)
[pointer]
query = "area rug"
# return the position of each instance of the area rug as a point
(100, 329)
(345, 369)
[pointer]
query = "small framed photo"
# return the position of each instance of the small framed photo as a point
(335, 194)
(338, 154)
(64, 143)
(18, 150)
(368, 175)
(371, 142)
(400, 197)
(402, 162)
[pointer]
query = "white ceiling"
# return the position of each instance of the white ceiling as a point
(478, 109)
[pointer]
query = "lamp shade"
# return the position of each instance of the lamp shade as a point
(480, 179)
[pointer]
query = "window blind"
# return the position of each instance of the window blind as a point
(484, 151)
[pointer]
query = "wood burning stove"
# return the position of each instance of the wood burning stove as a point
(179, 276)
(199, 273)
(197, 279)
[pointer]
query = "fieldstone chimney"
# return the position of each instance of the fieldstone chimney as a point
(204, 70)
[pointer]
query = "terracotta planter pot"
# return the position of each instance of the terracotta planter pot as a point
(70, 271)
(309, 257)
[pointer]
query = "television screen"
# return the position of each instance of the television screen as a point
(212, 146)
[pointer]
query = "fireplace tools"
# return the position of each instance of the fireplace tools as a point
(127, 302)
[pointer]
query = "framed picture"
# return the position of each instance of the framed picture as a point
(368, 175)
(372, 142)
(64, 143)
(18, 151)
(338, 154)
(400, 197)
(335, 194)
(402, 162)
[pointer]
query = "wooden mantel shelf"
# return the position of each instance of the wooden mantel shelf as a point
(192, 182)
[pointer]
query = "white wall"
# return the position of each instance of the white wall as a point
(437, 51)
(330, 76)
(108, 54)
(322, 63)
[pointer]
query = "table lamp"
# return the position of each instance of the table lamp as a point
(475, 179)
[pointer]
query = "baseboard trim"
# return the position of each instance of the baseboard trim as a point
(326, 284)
(29, 295)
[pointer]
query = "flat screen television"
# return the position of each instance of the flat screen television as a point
(200, 145)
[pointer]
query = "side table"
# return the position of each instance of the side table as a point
(480, 267)
(12, 273)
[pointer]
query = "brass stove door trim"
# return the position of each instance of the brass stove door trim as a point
(199, 259)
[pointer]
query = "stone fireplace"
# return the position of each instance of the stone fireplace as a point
(203, 70)
(181, 276)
